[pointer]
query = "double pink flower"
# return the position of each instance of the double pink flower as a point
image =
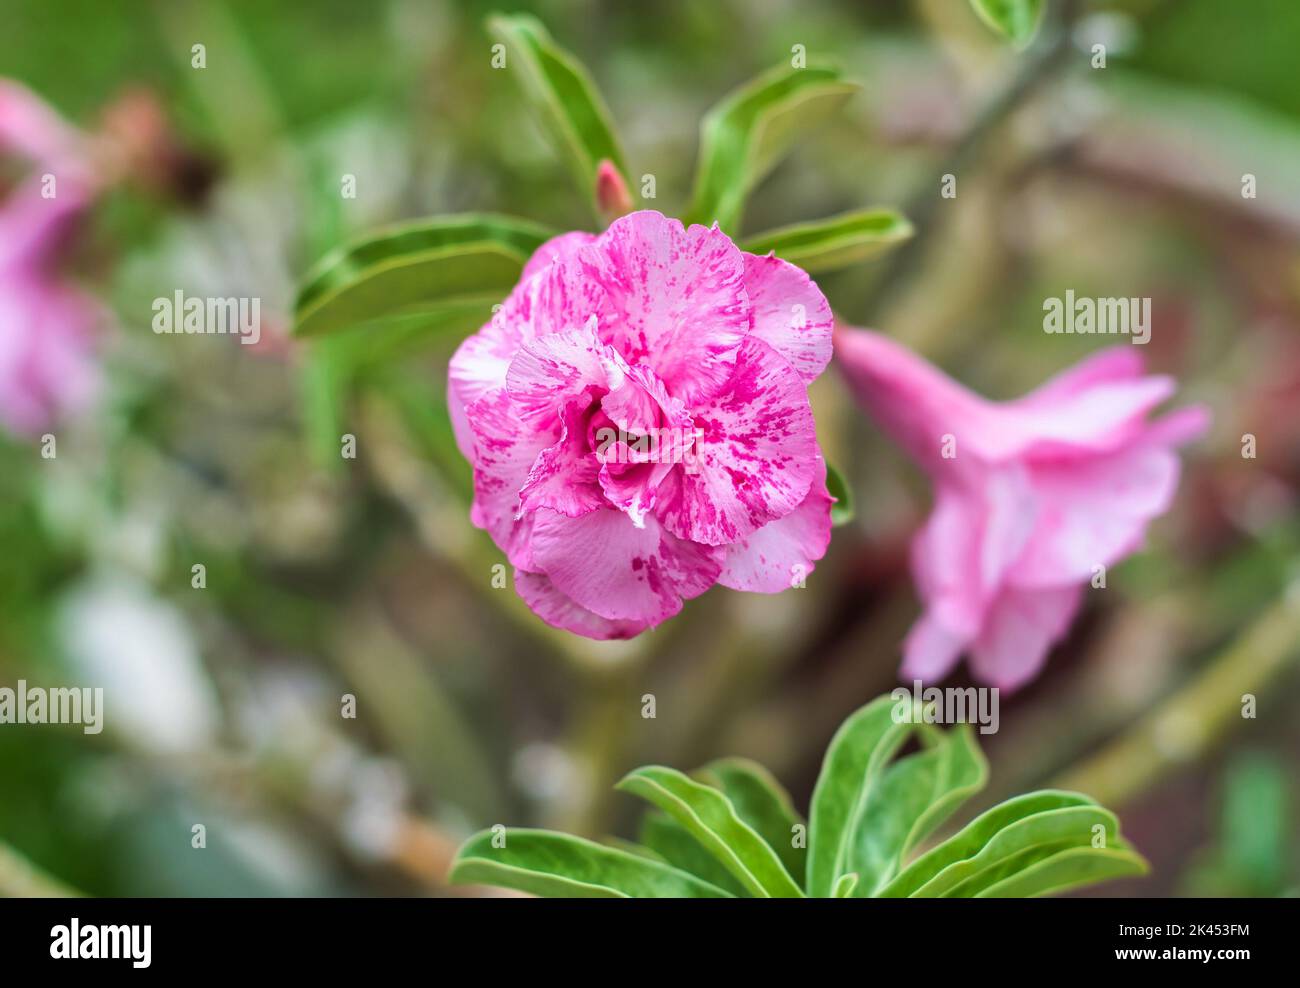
(46, 323)
(648, 330)
(1033, 498)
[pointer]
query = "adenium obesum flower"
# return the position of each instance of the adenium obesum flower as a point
(637, 416)
(1031, 496)
(46, 323)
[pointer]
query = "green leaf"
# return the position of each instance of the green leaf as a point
(712, 820)
(844, 886)
(1015, 20)
(744, 136)
(972, 838)
(842, 510)
(411, 269)
(916, 795)
(835, 242)
(557, 865)
(563, 94)
(1021, 845)
(761, 802)
(1068, 869)
(671, 841)
(854, 761)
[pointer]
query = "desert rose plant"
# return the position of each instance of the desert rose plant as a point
(634, 406)
(731, 830)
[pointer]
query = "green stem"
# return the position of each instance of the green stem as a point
(1187, 725)
(922, 208)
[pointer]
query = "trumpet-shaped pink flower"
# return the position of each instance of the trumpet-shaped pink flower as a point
(46, 323)
(1030, 496)
(637, 416)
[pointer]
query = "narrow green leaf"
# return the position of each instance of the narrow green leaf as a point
(712, 820)
(842, 511)
(761, 802)
(388, 339)
(563, 94)
(972, 838)
(406, 269)
(744, 136)
(674, 843)
(1069, 869)
(1019, 845)
(854, 761)
(557, 865)
(844, 886)
(835, 242)
(915, 795)
(1015, 20)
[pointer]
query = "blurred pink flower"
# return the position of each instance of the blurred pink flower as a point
(637, 416)
(46, 324)
(1030, 496)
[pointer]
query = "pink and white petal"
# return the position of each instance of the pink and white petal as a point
(754, 458)
(558, 248)
(930, 650)
(643, 403)
(790, 314)
(1104, 417)
(1093, 512)
(31, 128)
(912, 400)
(975, 533)
(559, 611)
(563, 477)
(1021, 629)
(630, 486)
(620, 572)
(552, 371)
(504, 454)
(1114, 363)
(677, 299)
(1178, 427)
(780, 553)
(477, 367)
(557, 297)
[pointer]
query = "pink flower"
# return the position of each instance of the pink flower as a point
(637, 416)
(1030, 496)
(46, 323)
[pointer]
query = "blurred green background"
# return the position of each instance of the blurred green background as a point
(329, 577)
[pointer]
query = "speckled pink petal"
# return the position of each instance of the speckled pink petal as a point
(755, 457)
(504, 454)
(551, 372)
(1022, 626)
(559, 611)
(633, 488)
(790, 314)
(608, 566)
(563, 477)
(677, 298)
(782, 552)
(557, 248)
(478, 366)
